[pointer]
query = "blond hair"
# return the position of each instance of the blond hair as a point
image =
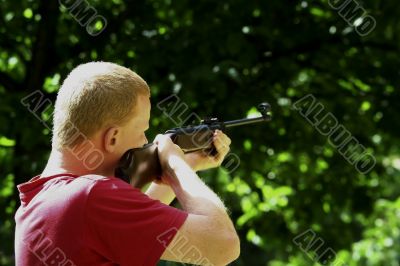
(94, 95)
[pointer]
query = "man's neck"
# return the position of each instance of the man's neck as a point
(64, 162)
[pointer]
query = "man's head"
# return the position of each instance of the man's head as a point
(104, 103)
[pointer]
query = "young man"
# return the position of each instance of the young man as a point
(77, 213)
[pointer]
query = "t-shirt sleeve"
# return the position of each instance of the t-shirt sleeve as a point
(126, 226)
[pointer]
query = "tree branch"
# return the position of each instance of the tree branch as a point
(9, 83)
(44, 45)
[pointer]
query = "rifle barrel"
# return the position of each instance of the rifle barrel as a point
(245, 121)
(219, 125)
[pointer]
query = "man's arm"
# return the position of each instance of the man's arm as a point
(197, 161)
(208, 230)
(161, 192)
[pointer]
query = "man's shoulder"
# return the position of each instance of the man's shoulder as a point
(112, 190)
(92, 183)
(101, 183)
(94, 177)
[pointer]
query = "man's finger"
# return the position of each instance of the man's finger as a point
(160, 138)
(221, 141)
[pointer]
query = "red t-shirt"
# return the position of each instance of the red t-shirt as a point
(91, 220)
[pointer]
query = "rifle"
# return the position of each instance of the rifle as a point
(140, 166)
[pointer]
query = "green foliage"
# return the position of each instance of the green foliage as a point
(222, 58)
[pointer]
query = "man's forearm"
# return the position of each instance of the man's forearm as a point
(194, 196)
(161, 192)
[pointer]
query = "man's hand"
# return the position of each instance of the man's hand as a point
(201, 161)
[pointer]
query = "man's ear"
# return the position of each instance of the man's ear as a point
(110, 139)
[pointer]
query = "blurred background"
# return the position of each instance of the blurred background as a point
(294, 198)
